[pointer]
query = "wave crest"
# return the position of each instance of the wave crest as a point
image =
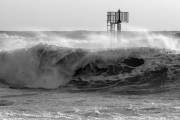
(49, 66)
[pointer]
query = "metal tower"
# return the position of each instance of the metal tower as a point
(114, 20)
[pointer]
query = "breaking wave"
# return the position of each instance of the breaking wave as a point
(89, 61)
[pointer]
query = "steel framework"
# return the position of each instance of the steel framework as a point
(114, 20)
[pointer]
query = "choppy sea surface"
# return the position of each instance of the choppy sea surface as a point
(55, 105)
(79, 75)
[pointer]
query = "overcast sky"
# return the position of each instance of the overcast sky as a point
(86, 14)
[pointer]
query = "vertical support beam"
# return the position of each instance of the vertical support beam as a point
(119, 21)
(118, 31)
(119, 27)
(114, 20)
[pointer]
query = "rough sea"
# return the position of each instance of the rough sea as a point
(85, 75)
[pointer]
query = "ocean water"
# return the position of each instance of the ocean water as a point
(79, 75)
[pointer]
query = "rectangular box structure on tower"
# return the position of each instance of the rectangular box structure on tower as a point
(124, 17)
(114, 17)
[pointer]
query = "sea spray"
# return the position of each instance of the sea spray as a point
(89, 40)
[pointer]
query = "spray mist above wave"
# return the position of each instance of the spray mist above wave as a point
(89, 40)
